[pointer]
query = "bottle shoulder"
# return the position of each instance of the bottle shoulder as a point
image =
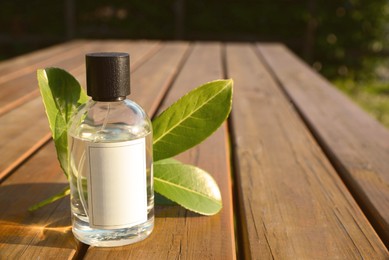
(119, 120)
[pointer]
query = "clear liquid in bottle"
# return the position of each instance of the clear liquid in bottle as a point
(110, 172)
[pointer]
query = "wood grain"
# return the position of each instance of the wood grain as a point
(20, 82)
(291, 202)
(356, 143)
(20, 85)
(151, 81)
(180, 234)
(22, 64)
(45, 233)
(24, 130)
(293, 205)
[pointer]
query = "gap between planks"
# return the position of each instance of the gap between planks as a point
(241, 235)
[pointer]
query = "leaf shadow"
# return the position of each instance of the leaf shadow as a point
(175, 211)
(49, 226)
(165, 208)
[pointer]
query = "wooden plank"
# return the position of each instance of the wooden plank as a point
(24, 130)
(179, 234)
(19, 85)
(150, 82)
(357, 144)
(46, 233)
(140, 51)
(32, 131)
(24, 61)
(292, 203)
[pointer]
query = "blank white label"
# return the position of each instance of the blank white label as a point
(117, 189)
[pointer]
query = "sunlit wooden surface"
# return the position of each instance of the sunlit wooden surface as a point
(304, 173)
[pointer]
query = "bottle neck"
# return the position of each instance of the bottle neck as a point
(108, 99)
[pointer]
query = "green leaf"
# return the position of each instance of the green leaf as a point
(191, 119)
(61, 94)
(187, 185)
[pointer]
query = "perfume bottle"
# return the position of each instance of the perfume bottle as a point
(110, 158)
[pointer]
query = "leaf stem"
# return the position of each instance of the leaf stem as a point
(51, 199)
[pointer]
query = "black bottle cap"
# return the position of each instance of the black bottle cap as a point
(108, 75)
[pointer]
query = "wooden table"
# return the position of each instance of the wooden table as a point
(304, 173)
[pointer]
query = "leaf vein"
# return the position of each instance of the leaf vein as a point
(186, 189)
(187, 116)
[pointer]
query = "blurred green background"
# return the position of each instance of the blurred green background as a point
(345, 40)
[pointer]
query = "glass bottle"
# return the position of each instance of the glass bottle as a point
(110, 159)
